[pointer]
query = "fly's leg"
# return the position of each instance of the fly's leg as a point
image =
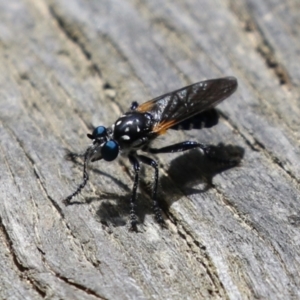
(156, 208)
(73, 155)
(183, 146)
(67, 201)
(209, 151)
(134, 105)
(136, 166)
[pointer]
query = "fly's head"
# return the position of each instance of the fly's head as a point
(104, 147)
(130, 132)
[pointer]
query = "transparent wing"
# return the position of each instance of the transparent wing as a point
(177, 106)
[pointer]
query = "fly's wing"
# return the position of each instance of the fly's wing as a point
(175, 107)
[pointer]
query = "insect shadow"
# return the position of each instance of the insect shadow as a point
(185, 171)
(193, 169)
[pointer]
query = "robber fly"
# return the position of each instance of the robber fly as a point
(188, 107)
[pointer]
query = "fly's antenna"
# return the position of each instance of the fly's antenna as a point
(67, 201)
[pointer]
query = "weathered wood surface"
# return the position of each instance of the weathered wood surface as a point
(67, 65)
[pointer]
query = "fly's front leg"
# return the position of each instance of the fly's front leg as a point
(73, 155)
(156, 208)
(136, 166)
(86, 155)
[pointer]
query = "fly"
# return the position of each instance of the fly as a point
(189, 107)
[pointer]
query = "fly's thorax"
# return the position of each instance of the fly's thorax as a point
(133, 130)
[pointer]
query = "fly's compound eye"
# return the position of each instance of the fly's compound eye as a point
(99, 132)
(110, 150)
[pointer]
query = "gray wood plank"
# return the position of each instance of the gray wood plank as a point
(67, 66)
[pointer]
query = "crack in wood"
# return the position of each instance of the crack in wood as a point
(203, 258)
(24, 271)
(68, 281)
(263, 47)
(75, 39)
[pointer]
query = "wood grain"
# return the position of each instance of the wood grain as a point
(67, 66)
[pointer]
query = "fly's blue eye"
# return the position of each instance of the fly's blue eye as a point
(99, 132)
(110, 150)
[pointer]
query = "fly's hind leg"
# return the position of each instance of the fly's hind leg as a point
(212, 152)
(180, 147)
